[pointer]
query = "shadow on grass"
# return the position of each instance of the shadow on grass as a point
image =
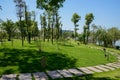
(29, 60)
(87, 77)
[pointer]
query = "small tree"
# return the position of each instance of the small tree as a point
(51, 7)
(115, 34)
(20, 4)
(94, 28)
(89, 18)
(75, 19)
(9, 27)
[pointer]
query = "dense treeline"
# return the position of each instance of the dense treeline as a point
(101, 36)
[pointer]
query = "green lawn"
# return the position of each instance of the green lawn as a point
(18, 59)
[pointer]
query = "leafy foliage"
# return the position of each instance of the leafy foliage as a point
(9, 27)
(75, 19)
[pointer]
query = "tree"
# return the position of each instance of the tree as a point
(57, 25)
(89, 18)
(44, 24)
(94, 28)
(28, 21)
(24, 28)
(47, 4)
(51, 7)
(49, 24)
(9, 27)
(84, 34)
(103, 37)
(28, 26)
(20, 4)
(115, 34)
(35, 30)
(75, 19)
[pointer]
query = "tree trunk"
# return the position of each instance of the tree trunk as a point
(52, 29)
(88, 33)
(44, 32)
(48, 32)
(84, 36)
(29, 37)
(21, 33)
(9, 37)
(75, 33)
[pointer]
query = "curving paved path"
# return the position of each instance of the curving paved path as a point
(66, 72)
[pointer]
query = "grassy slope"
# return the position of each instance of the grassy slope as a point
(28, 59)
(84, 55)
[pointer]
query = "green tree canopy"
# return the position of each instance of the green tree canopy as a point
(75, 18)
(115, 34)
(47, 4)
(9, 27)
(89, 18)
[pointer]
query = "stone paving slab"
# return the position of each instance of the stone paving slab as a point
(108, 67)
(76, 72)
(116, 65)
(118, 57)
(116, 62)
(54, 74)
(112, 65)
(94, 69)
(65, 73)
(40, 76)
(25, 76)
(8, 77)
(86, 71)
(102, 68)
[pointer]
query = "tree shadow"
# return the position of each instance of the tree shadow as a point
(29, 60)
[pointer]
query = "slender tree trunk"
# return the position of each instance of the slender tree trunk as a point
(57, 27)
(75, 33)
(93, 40)
(9, 37)
(84, 36)
(48, 32)
(88, 33)
(114, 43)
(52, 29)
(52, 35)
(44, 33)
(29, 37)
(21, 33)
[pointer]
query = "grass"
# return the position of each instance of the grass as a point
(18, 59)
(111, 74)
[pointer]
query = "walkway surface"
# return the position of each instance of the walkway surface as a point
(66, 72)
